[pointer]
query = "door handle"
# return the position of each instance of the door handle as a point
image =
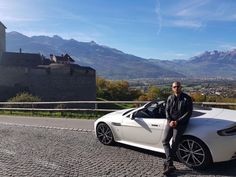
(116, 124)
(155, 125)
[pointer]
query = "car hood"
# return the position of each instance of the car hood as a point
(119, 112)
(116, 114)
(123, 111)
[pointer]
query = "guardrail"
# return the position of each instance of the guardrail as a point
(214, 104)
(35, 106)
(32, 105)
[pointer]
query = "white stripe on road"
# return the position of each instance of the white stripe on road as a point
(47, 127)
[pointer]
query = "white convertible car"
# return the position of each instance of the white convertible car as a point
(210, 136)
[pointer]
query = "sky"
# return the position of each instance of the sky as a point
(157, 29)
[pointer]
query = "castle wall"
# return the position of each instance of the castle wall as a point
(56, 83)
(12, 81)
(2, 38)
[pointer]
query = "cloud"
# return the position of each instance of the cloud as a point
(34, 11)
(20, 19)
(65, 14)
(159, 17)
(197, 13)
(174, 55)
(228, 46)
(185, 23)
(190, 8)
(179, 55)
(231, 17)
(17, 11)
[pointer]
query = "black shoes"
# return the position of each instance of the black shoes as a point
(168, 169)
(172, 167)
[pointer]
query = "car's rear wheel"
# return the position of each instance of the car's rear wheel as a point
(193, 153)
(104, 134)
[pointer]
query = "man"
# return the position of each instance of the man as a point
(179, 108)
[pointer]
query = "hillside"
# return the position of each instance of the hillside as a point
(208, 64)
(115, 64)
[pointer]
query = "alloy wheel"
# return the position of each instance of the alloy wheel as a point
(104, 134)
(191, 153)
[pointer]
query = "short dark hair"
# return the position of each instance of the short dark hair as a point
(177, 83)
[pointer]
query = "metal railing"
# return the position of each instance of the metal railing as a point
(40, 106)
(34, 106)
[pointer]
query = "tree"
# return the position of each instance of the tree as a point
(198, 97)
(153, 93)
(116, 90)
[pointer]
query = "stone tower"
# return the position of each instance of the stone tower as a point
(2, 38)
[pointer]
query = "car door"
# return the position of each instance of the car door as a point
(146, 130)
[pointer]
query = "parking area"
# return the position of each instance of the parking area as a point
(32, 151)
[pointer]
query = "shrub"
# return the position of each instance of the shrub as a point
(24, 97)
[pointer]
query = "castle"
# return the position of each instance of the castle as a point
(52, 79)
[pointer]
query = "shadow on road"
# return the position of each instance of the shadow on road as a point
(217, 169)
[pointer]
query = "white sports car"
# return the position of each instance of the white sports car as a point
(210, 136)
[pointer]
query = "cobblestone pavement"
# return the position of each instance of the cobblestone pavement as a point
(31, 151)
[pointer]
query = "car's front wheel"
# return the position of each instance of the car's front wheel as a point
(193, 153)
(104, 134)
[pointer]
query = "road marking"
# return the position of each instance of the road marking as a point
(47, 127)
(46, 164)
(5, 151)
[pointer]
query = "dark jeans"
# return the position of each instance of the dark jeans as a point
(175, 134)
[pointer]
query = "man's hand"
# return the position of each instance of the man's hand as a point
(173, 124)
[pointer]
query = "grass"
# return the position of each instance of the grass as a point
(74, 115)
(70, 114)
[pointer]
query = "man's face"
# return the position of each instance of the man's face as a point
(176, 88)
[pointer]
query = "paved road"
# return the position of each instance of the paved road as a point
(49, 122)
(33, 151)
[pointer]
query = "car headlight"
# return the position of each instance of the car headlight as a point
(228, 131)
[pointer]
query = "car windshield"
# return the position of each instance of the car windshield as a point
(152, 110)
(127, 112)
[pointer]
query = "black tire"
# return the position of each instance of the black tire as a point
(104, 134)
(193, 153)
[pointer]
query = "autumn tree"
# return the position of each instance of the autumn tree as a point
(116, 90)
(198, 97)
(154, 93)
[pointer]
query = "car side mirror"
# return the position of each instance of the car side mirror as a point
(132, 116)
(136, 113)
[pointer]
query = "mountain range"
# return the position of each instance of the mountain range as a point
(115, 64)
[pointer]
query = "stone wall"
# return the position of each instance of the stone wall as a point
(55, 82)
(2, 38)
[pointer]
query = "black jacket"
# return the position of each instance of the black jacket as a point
(185, 108)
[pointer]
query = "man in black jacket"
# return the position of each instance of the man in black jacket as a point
(179, 108)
